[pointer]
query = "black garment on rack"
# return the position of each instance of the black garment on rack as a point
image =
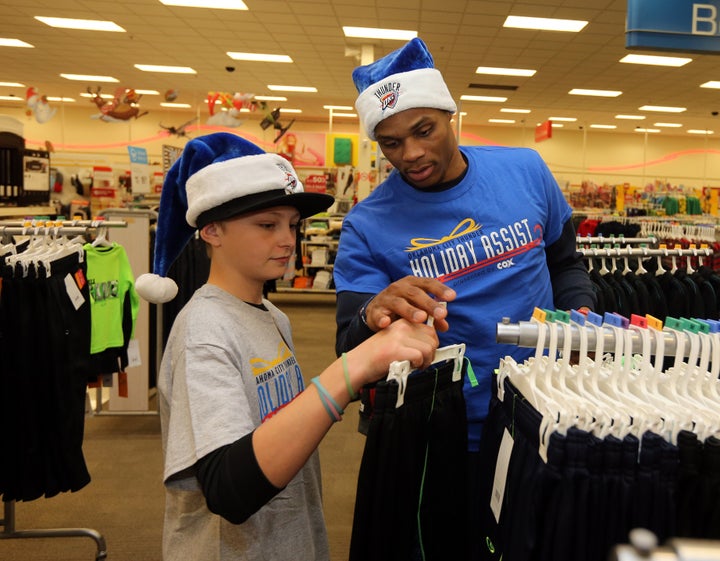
(589, 494)
(411, 489)
(642, 294)
(676, 295)
(696, 306)
(657, 304)
(44, 341)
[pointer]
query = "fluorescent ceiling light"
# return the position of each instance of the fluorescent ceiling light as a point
(89, 78)
(669, 125)
(566, 119)
(214, 4)
(344, 114)
(715, 84)
(339, 107)
(6, 42)
(104, 96)
(656, 60)
(11, 98)
(662, 109)
(270, 98)
(511, 110)
(603, 126)
(181, 105)
(147, 92)
(379, 33)
(502, 121)
(544, 24)
(504, 71)
(286, 110)
(84, 24)
(646, 130)
(292, 88)
(700, 131)
(68, 99)
(258, 57)
(168, 69)
(483, 98)
(595, 93)
(12, 85)
(631, 117)
(557, 125)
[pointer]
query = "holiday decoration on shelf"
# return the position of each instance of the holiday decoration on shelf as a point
(122, 107)
(38, 105)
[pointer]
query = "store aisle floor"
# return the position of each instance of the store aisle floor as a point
(124, 501)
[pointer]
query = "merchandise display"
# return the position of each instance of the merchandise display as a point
(572, 407)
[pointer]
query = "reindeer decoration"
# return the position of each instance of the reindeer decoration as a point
(122, 107)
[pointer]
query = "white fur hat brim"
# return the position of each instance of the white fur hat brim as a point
(399, 92)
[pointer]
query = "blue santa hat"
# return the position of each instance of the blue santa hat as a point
(404, 79)
(218, 176)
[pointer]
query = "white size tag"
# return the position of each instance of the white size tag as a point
(133, 353)
(501, 470)
(73, 292)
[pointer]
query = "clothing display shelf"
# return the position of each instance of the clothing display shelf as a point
(319, 238)
(52, 228)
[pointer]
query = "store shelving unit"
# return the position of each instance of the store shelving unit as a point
(318, 247)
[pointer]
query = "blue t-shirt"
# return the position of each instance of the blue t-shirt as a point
(485, 238)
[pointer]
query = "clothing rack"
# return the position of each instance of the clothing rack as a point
(526, 334)
(644, 252)
(615, 239)
(63, 228)
(52, 228)
(9, 532)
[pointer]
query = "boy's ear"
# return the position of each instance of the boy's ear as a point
(209, 233)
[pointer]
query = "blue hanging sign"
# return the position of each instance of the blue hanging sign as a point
(673, 25)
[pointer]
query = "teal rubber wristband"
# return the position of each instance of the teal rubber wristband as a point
(331, 406)
(346, 373)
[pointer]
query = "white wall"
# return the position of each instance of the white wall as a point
(573, 155)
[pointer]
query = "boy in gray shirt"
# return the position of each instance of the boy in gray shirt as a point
(239, 429)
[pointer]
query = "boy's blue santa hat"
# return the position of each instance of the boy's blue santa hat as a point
(404, 79)
(218, 176)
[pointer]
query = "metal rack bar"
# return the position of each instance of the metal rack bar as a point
(9, 532)
(614, 239)
(644, 252)
(525, 334)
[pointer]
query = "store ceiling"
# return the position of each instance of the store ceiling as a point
(461, 34)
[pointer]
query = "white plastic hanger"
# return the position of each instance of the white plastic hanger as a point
(399, 370)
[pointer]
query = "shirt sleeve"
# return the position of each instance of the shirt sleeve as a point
(351, 329)
(570, 280)
(232, 482)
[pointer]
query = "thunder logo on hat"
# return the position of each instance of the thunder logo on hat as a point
(404, 79)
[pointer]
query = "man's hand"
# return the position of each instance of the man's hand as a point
(410, 298)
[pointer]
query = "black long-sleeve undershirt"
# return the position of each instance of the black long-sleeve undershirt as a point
(232, 482)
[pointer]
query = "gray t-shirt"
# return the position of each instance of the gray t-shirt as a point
(227, 367)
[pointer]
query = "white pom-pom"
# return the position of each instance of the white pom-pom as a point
(156, 289)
